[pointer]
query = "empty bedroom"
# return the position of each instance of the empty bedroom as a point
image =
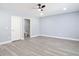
(39, 29)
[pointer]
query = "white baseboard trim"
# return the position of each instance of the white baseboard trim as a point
(1, 43)
(35, 36)
(66, 38)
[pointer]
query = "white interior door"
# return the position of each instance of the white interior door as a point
(16, 28)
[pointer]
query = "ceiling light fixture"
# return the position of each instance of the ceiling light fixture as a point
(64, 8)
(39, 9)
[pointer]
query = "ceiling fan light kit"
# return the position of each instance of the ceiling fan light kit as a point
(40, 6)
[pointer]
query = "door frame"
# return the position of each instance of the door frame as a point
(30, 25)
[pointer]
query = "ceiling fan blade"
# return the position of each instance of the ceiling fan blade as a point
(39, 4)
(43, 6)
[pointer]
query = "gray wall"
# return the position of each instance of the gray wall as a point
(5, 25)
(64, 25)
(35, 27)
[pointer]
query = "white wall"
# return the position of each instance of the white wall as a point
(64, 25)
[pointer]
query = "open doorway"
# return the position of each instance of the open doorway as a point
(26, 28)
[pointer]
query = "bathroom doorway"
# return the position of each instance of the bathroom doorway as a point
(26, 28)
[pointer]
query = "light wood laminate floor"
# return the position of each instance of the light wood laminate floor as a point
(40, 46)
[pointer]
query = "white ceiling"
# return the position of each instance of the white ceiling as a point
(31, 8)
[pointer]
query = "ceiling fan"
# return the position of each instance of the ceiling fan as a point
(40, 7)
